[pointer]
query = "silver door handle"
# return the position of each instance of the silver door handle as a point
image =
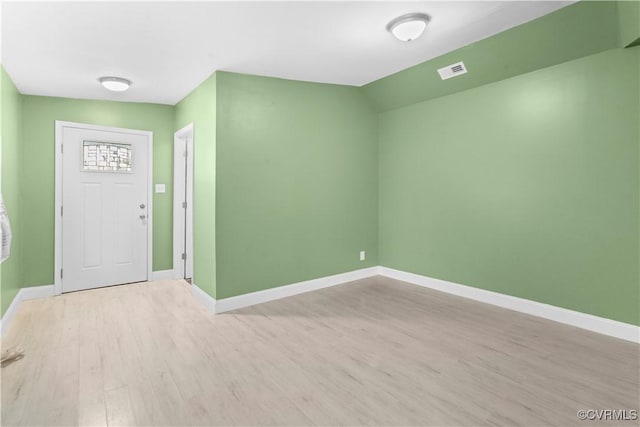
(143, 216)
(142, 206)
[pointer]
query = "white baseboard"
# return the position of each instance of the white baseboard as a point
(590, 322)
(206, 299)
(24, 294)
(253, 298)
(163, 275)
(233, 303)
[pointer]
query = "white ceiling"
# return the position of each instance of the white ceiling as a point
(168, 48)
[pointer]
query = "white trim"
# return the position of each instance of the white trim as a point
(253, 298)
(59, 125)
(182, 143)
(150, 195)
(57, 264)
(24, 294)
(35, 292)
(162, 275)
(207, 300)
(589, 322)
(239, 301)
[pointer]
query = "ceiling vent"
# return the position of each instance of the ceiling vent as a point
(452, 70)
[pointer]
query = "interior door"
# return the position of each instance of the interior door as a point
(104, 208)
(183, 203)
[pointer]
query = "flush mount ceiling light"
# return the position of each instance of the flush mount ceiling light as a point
(116, 84)
(408, 27)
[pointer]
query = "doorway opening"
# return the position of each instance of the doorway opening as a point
(183, 203)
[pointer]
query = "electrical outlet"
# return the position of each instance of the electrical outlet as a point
(362, 255)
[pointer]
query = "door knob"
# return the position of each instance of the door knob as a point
(142, 206)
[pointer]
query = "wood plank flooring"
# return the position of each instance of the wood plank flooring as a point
(371, 352)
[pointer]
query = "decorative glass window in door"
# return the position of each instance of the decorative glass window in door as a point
(106, 156)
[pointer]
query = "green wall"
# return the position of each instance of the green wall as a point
(629, 22)
(199, 108)
(296, 182)
(575, 31)
(11, 102)
(37, 189)
(527, 187)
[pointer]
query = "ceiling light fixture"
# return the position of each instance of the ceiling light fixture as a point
(408, 27)
(116, 84)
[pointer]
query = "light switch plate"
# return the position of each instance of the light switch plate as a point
(160, 188)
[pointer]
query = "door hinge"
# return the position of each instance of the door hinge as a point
(184, 256)
(61, 148)
(184, 205)
(61, 273)
(61, 210)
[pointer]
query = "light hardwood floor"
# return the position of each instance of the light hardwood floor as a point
(371, 352)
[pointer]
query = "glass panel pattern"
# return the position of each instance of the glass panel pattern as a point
(106, 156)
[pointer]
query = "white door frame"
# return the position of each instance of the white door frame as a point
(60, 125)
(183, 224)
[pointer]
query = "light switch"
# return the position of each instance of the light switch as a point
(159, 188)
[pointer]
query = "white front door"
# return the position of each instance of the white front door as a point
(105, 207)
